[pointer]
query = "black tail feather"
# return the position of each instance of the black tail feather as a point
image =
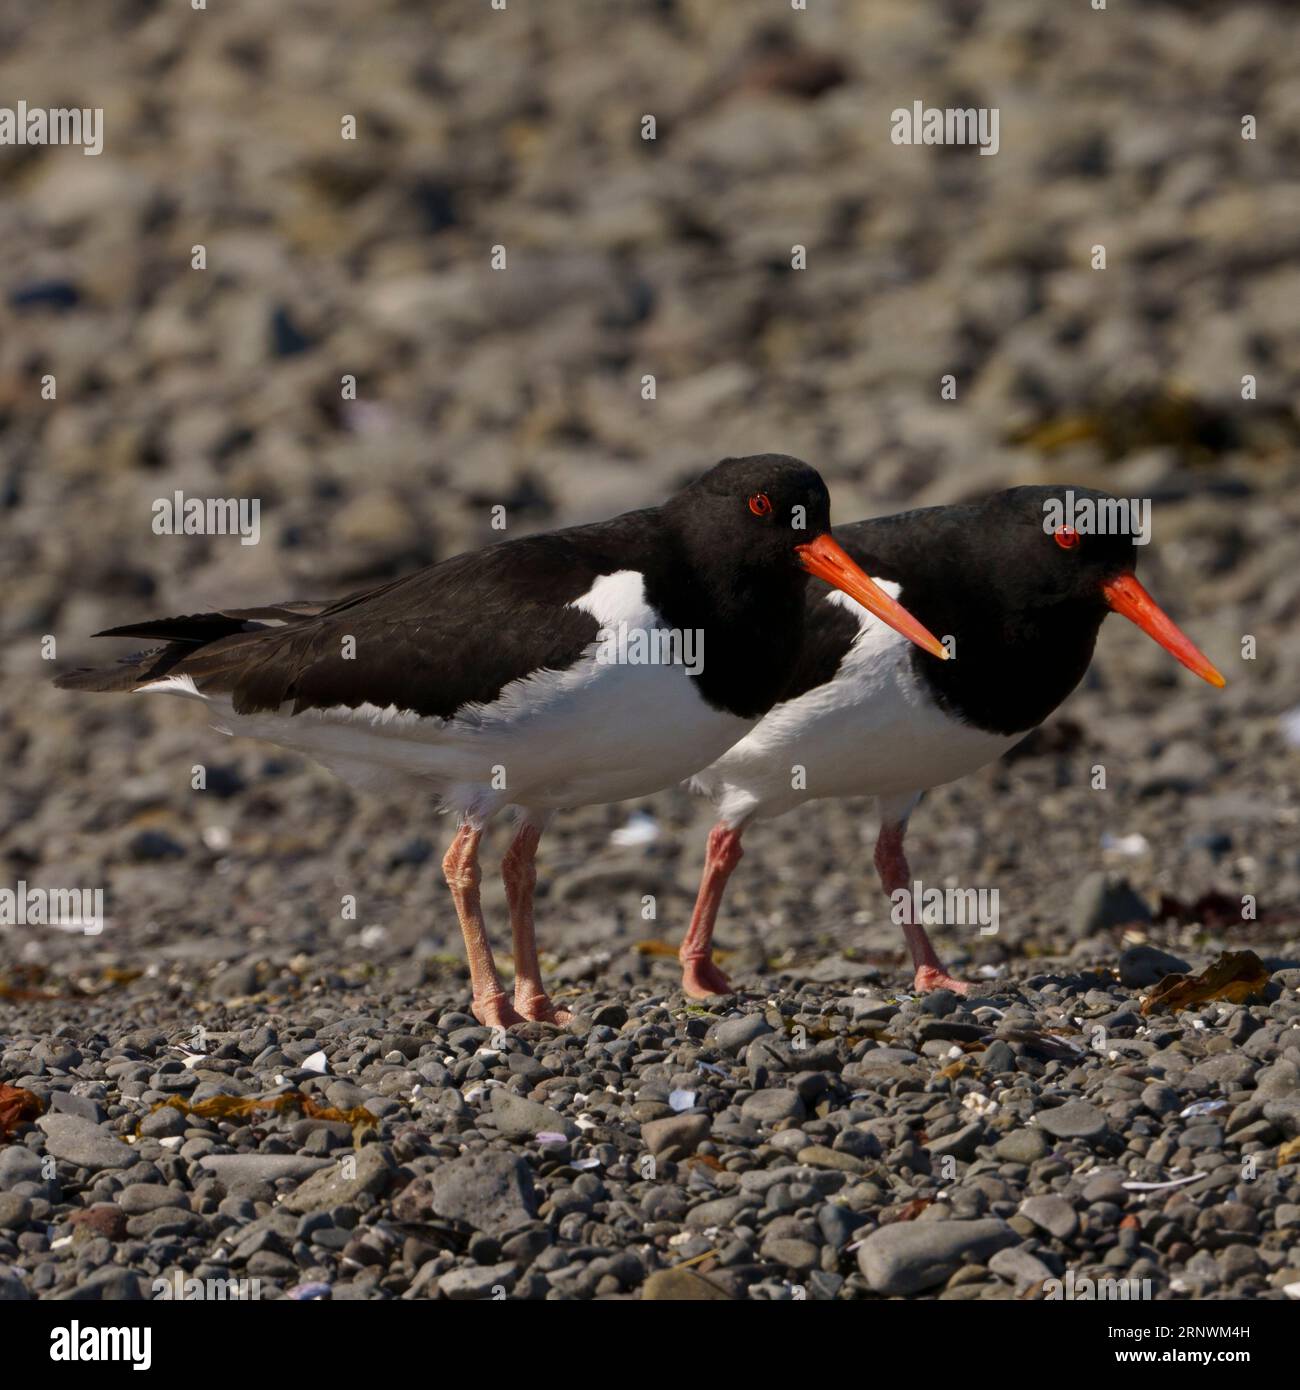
(198, 629)
(184, 637)
(128, 673)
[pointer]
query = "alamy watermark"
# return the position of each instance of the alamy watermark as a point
(653, 646)
(1099, 516)
(951, 907)
(179, 515)
(55, 125)
(68, 909)
(1096, 1290)
(92, 1343)
(188, 1288)
(949, 125)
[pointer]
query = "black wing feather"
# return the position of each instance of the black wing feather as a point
(453, 634)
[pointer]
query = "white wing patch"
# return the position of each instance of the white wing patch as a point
(171, 685)
(618, 598)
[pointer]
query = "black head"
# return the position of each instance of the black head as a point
(1077, 552)
(1035, 547)
(1022, 582)
(758, 509)
(759, 525)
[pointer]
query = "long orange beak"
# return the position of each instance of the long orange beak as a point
(1127, 597)
(829, 561)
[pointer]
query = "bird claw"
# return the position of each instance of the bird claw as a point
(495, 1011)
(701, 979)
(929, 978)
(538, 1008)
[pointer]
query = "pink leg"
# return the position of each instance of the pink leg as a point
(891, 865)
(460, 869)
(519, 873)
(700, 977)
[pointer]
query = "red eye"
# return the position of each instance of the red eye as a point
(760, 504)
(1067, 538)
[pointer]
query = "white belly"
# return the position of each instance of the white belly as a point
(873, 730)
(596, 732)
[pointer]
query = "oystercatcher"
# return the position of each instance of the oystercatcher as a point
(865, 714)
(567, 669)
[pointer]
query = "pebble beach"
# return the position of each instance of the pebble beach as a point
(261, 1075)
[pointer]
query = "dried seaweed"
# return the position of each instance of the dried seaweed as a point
(23, 985)
(1234, 978)
(17, 1107)
(704, 1161)
(909, 1211)
(241, 1107)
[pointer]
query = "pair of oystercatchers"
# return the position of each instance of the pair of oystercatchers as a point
(486, 682)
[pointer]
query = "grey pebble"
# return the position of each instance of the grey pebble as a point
(1076, 1119)
(490, 1191)
(735, 1034)
(236, 1170)
(519, 1118)
(909, 1256)
(1052, 1214)
(85, 1144)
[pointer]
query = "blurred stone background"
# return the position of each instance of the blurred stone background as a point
(672, 257)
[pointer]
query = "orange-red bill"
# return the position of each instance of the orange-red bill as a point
(1127, 597)
(829, 561)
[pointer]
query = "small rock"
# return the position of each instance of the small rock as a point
(15, 1211)
(1105, 900)
(490, 1191)
(1021, 1266)
(141, 1197)
(961, 1143)
(165, 1123)
(110, 1284)
(801, 1256)
(236, 1170)
(681, 1286)
(1052, 1214)
(519, 1118)
(909, 1256)
(84, 1144)
(1076, 1119)
(770, 1107)
(366, 1173)
(148, 846)
(676, 1137)
(819, 1156)
(735, 1034)
(103, 1219)
(1022, 1146)
(478, 1281)
(1140, 967)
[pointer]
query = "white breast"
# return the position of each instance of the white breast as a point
(598, 731)
(873, 730)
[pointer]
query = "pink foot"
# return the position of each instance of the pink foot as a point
(495, 1011)
(929, 978)
(701, 978)
(537, 1008)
